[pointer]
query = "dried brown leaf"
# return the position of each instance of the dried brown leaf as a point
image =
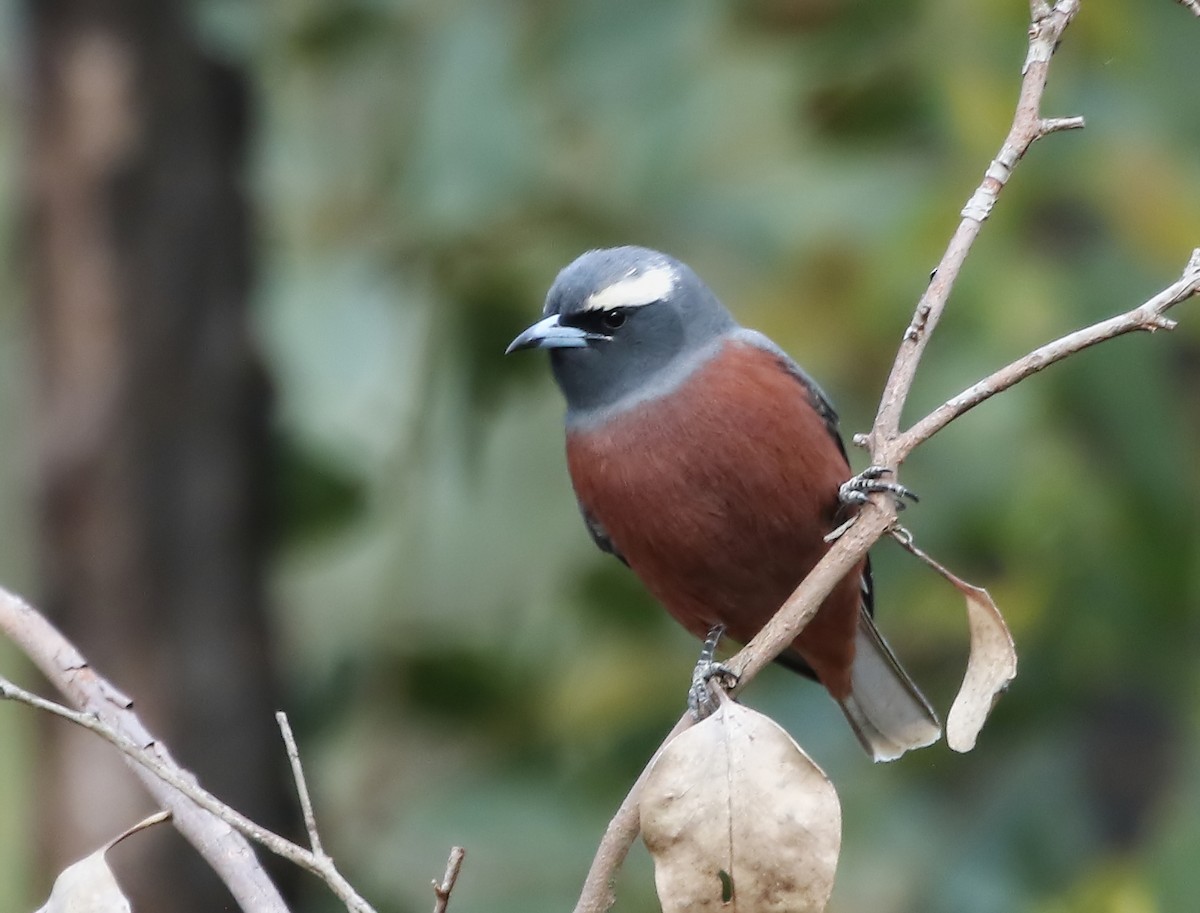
(991, 665)
(737, 817)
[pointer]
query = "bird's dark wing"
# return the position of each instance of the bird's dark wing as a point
(600, 536)
(868, 588)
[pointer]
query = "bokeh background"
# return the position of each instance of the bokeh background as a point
(391, 187)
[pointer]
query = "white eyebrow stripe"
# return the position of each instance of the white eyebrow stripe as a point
(634, 291)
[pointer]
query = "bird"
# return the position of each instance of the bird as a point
(708, 461)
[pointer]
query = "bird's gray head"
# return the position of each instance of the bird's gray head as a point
(623, 325)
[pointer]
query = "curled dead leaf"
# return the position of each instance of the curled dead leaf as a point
(992, 663)
(737, 816)
(990, 667)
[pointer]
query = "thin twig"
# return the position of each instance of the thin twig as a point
(441, 892)
(173, 776)
(174, 787)
(223, 848)
(306, 808)
(157, 818)
(181, 781)
(1147, 316)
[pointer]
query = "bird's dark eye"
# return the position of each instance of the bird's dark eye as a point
(614, 319)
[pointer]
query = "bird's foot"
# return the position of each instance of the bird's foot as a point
(869, 482)
(701, 700)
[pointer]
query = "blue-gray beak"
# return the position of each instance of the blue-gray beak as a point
(548, 333)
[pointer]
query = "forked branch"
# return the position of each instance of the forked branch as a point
(1148, 317)
(218, 831)
(1028, 126)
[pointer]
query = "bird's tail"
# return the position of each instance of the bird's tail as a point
(885, 709)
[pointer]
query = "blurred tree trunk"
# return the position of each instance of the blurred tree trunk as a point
(153, 437)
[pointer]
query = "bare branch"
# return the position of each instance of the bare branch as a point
(1028, 126)
(1147, 316)
(166, 772)
(441, 892)
(226, 851)
(216, 830)
(306, 808)
(157, 818)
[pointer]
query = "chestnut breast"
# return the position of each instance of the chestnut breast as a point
(719, 494)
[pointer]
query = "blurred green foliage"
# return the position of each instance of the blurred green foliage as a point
(465, 667)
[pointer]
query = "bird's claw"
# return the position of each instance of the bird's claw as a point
(870, 481)
(701, 701)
